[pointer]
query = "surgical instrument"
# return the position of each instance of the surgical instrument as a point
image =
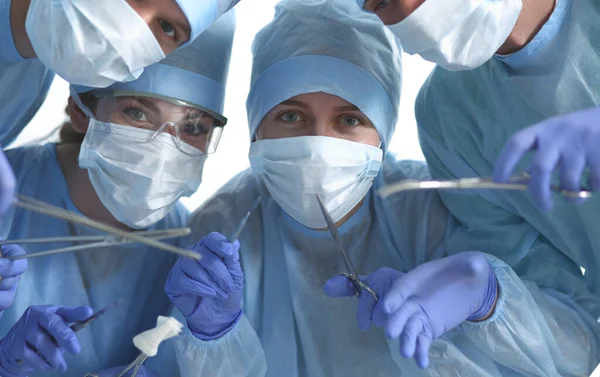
(352, 275)
(77, 326)
(50, 210)
(242, 223)
(149, 341)
(103, 241)
(81, 325)
(518, 182)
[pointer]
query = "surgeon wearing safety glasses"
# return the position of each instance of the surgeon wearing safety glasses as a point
(127, 155)
(322, 108)
(91, 43)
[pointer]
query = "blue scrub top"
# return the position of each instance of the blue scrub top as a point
(93, 278)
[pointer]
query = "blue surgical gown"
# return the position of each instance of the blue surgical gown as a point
(465, 119)
(93, 278)
(290, 328)
(24, 83)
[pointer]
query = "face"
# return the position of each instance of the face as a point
(392, 11)
(318, 114)
(167, 21)
(194, 126)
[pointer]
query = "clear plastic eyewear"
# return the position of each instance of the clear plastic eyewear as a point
(193, 129)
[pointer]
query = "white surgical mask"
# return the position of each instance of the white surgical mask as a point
(458, 34)
(91, 43)
(295, 169)
(138, 180)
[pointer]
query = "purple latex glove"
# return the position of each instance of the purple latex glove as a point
(8, 184)
(114, 372)
(569, 143)
(208, 292)
(421, 305)
(39, 338)
(10, 272)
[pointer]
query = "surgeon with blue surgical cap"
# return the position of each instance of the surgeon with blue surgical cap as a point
(322, 108)
(93, 43)
(142, 148)
(478, 122)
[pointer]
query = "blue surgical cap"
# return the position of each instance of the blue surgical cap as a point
(329, 46)
(202, 13)
(196, 74)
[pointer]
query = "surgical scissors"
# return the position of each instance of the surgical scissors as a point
(351, 273)
(518, 182)
(50, 210)
(135, 365)
(102, 241)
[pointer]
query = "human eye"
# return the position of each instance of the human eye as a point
(194, 129)
(136, 114)
(290, 117)
(168, 29)
(352, 121)
(375, 5)
(382, 4)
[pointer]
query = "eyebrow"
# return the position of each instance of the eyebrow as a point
(291, 102)
(147, 103)
(347, 108)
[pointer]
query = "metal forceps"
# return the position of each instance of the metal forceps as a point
(135, 365)
(133, 237)
(518, 182)
(351, 273)
(95, 241)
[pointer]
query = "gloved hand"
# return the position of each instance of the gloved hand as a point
(569, 143)
(8, 183)
(10, 272)
(39, 338)
(208, 292)
(114, 372)
(421, 305)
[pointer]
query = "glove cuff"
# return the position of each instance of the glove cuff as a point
(207, 334)
(488, 300)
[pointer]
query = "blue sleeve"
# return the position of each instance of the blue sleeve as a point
(8, 50)
(545, 319)
(237, 354)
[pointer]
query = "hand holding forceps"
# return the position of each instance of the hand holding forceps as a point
(518, 182)
(351, 273)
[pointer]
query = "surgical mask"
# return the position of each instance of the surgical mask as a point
(294, 169)
(91, 43)
(139, 176)
(458, 34)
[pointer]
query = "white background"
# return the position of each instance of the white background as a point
(231, 155)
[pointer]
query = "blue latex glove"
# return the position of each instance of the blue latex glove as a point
(209, 292)
(8, 183)
(421, 305)
(10, 272)
(39, 338)
(569, 143)
(114, 372)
